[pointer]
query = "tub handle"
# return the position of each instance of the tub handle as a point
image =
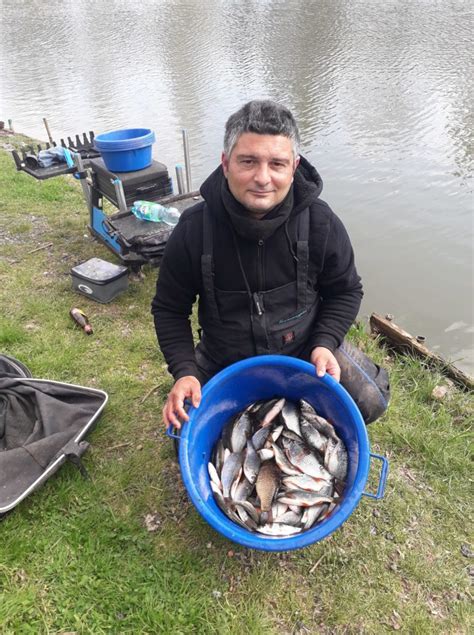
(383, 477)
(170, 433)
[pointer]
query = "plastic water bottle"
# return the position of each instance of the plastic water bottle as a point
(146, 210)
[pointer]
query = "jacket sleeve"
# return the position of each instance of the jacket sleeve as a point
(176, 290)
(340, 289)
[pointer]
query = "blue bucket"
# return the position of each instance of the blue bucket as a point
(126, 150)
(264, 377)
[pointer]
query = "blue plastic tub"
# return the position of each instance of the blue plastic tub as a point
(126, 150)
(263, 377)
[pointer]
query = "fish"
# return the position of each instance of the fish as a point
(252, 463)
(312, 514)
(266, 487)
(289, 518)
(304, 460)
(218, 455)
(308, 483)
(290, 417)
(259, 437)
(249, 510)
(313, 436)
(266, 453)
(230, 471)
(303, 498)
(214, 475)
(243, 490)
(272, 413)
(240, 432)
(277, 529)
(276, 433)
(285, 466)
(324, 427)
(278, 468)
(335, 459)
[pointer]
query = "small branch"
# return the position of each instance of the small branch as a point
(150, 392)
(313, 568)
(118, 446)
(40, 248)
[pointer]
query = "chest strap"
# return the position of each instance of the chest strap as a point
(302, 253)
(207, 263)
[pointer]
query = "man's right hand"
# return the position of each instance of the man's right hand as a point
(185, 388)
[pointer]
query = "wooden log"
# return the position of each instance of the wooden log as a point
(399, 339)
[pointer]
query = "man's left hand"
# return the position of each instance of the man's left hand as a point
(325, 362)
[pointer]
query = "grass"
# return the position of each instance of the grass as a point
(76, 556)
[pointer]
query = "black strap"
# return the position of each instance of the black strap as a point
(73, 452)
(207, 263)
(302, 253)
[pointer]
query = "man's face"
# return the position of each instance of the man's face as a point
(260, 171)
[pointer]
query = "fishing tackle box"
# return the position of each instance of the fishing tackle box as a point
(149, 184)
(99, 279)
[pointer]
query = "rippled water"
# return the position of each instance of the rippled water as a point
(383, 92)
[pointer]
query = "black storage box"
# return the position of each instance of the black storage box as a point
(99, 279)
(149, 184)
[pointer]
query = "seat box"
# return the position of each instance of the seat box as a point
(149, 184)
(99, 279)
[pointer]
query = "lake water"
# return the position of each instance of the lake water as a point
(382, 90)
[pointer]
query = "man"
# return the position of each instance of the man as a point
(271, 263)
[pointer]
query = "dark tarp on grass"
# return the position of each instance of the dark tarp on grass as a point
(42, 424)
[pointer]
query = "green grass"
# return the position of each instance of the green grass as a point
(76, 556)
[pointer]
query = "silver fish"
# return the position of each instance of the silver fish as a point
(278, 529)
(243, 490)
(303, 499)
(230, 471)
(218, 455)
(319, 422)
(290, 417)
(219, 498)
(308, 483)
(278, 509)
(266, 453)
(214, 475)
(240, 432)
(272, 413)
(312, 514)
(280, 459)
(276, 433)
(251, 463)
(335, 459)
(313, 436)
(302, 458)
(289, 518)
(249, 510)
(235, 485)
(259, 438)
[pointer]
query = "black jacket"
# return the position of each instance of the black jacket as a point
(267, 265)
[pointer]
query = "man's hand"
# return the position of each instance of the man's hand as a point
(185, 388)
(325, 362)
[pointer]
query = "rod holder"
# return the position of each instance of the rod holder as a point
(180, 178)
(119, 193)
(187, 162)
(47, 129)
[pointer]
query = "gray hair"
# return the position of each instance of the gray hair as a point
(261, 117)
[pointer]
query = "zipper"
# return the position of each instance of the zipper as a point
(256, 301)
(260, 272)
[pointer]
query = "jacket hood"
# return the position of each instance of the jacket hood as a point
(307, 186)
